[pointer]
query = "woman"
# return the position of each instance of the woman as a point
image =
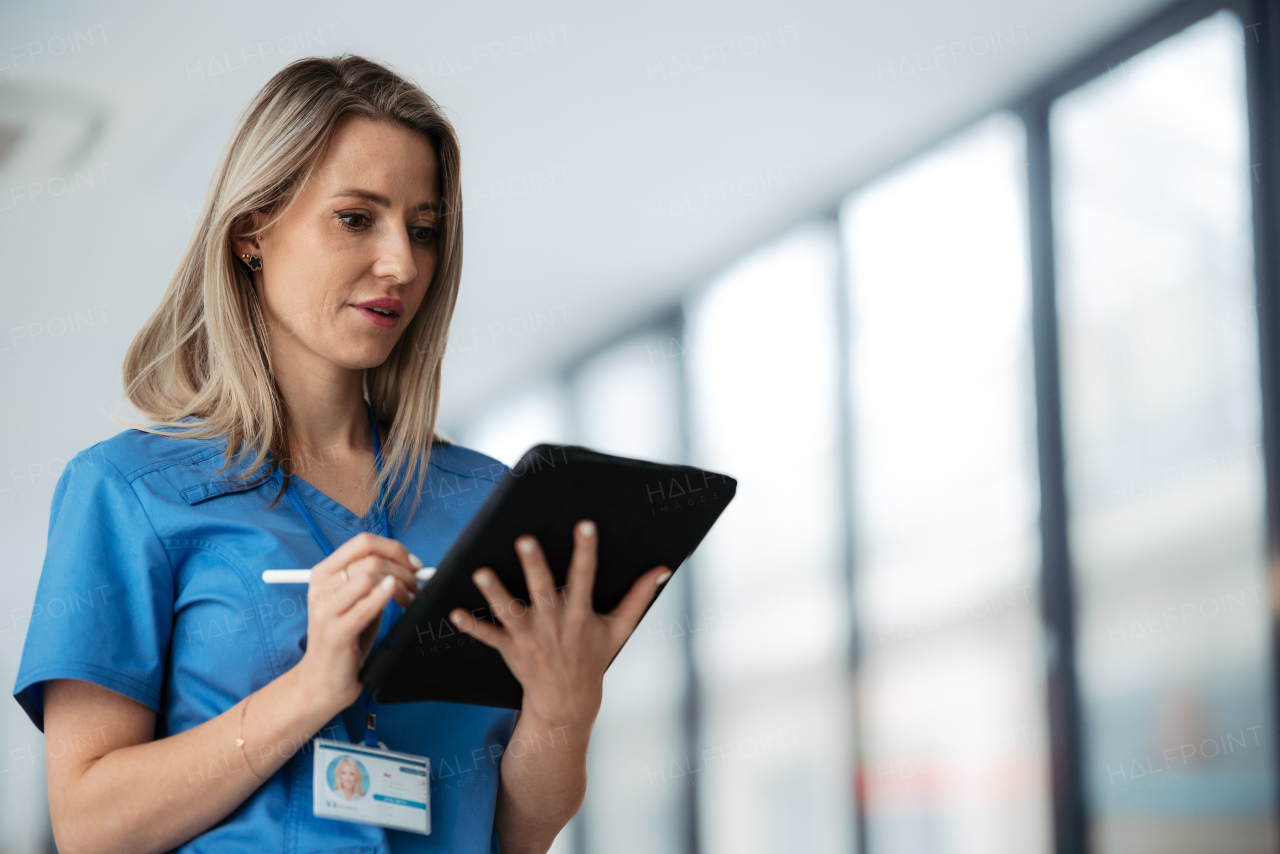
(301, 334)
(348, 780)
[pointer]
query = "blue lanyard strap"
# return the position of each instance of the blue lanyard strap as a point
(370, 704)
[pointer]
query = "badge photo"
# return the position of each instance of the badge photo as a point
(372, 786)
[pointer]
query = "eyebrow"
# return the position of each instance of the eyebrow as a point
(378, 199)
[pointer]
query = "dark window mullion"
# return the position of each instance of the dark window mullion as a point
(1057, 600)
(1262, 61)
(848, 545)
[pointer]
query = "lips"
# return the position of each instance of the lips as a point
(384, 312)
(389, 306)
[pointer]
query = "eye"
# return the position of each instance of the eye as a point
(424, 234)
(353, 221)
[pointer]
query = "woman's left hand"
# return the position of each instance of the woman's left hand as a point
(558, 647)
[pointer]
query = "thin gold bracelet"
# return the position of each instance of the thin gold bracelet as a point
(240, 738)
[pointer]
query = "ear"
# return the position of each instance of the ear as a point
(241, 234)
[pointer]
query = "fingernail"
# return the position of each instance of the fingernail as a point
(456, 618)
(587, 528)
(663, 578)
(483, 579)
(525, 545)
(416, 561)
(388, 581)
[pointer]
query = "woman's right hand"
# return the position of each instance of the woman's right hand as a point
(343, 616)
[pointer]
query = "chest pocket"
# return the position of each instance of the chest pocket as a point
(239, 528)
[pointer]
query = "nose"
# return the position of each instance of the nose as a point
(395, 256)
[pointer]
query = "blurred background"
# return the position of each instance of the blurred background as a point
(976, 299)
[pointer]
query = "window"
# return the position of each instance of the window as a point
(1163, 432)
(952, 681)
(627, 400)
(772, 622)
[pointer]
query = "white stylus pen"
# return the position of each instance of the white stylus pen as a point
(303, 576)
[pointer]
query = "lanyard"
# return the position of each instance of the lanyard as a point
(370, 704)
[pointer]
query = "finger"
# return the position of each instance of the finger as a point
(582, 567)
(339, 592)
(360, 545)
(537, 576)
(377, 566)
(504, 606)
(482, 630)
(625, 617)
(369, 608)
(362, 576)
(334, 598)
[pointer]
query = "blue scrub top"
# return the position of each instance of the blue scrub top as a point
(152, 587)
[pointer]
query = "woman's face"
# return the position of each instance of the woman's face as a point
(346, 267)
(347, 778)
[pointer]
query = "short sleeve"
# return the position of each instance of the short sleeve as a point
(103, 610)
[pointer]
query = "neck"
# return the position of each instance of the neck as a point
(327, 414)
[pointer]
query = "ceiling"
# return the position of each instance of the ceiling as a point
(613, 155)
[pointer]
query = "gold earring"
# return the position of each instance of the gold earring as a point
(254, 262)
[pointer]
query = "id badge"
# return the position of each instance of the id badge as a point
(356, 783)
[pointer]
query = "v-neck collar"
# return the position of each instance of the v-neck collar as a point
(337, 512)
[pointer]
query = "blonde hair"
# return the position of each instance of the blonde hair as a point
(355, 769)
(204, 352)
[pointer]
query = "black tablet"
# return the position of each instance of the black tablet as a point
(647, 514)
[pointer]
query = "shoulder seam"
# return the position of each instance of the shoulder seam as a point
(195, 456)
(201, 452)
